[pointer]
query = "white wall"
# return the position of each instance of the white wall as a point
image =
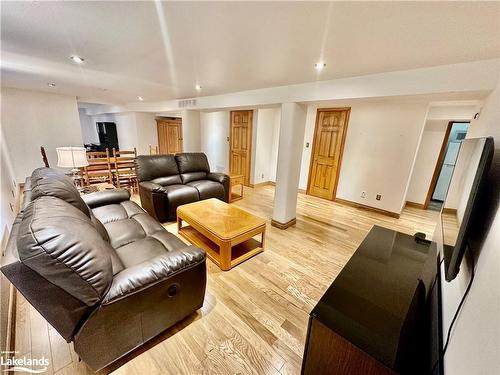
(32, 119)
(266, 137)
(427, 156)
(438, 117)
(214, 128)
(9, 189)
(126, 129)
(379, 152)
(475, 343)
(134, 129)
(89, 130)
(454, 111)
(191, 131)
(147, 133)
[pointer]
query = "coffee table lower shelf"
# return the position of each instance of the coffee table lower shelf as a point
(224, 255)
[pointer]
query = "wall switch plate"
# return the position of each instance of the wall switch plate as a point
(363, 194)
(378, 197)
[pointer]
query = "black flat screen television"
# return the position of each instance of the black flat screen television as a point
(462, 206)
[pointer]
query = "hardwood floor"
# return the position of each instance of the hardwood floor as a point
(254, 319)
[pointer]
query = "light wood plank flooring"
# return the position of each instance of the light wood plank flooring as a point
(254, 319)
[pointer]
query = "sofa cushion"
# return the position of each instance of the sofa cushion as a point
(116, 212)
(135, 236)
(192, 166)
(61, 244)
(150, 167)
(47, 182)
(192, 162)
(192, 176)
(178, 195)
(208, 189)
(167, 180)
(148, 248)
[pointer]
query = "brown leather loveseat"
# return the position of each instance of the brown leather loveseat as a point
(102, 272)
(168, 181)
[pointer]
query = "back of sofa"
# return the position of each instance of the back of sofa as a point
(160, 169)
(192, 166)
(64, 264)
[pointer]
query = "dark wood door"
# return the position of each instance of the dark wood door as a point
(169, 135)
(329, 136)
(240, 149)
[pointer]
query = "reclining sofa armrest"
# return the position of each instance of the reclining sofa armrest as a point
(223, 179)
(102, 198)
(151, 272)
(151, 187)
(154, 200)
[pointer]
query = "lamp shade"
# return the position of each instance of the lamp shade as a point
(71, 157)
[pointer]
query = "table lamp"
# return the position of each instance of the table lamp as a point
(74, 158)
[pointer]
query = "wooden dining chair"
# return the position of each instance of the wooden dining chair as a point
(124, 169)
(44, 157)
(99, 168)
(153, 150)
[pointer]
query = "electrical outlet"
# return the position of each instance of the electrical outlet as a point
(262, 176)
(363, 194)
(378, 197)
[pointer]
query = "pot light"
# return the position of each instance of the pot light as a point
(50, 84)
(198, 87)
(319, 66)
(140, 98)
(77, 59)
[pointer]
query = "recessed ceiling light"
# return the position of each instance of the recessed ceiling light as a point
(198, 87)
(50, 84)
(319, 66)
(77, 59)
(140, 98)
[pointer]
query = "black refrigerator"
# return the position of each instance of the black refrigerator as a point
(108, 137)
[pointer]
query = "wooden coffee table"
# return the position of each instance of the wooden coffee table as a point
(224, 231)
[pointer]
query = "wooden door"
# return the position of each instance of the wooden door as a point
(240, 148)
(169, 135)
(329, 137)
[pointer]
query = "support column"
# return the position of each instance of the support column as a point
(292, 128)
(191, 131)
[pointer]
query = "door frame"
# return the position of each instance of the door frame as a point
(342, 144)
(439, 163)
(247, 178)
(160, 119)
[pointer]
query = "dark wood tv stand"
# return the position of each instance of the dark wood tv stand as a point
(379, 315)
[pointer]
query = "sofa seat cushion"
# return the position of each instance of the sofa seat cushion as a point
(148, 248)
(208, 189)
(177, 195)
(135, 236)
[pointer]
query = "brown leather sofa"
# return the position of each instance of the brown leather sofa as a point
(102, 272)
(168, 181)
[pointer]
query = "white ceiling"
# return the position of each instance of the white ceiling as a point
(161, 50)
